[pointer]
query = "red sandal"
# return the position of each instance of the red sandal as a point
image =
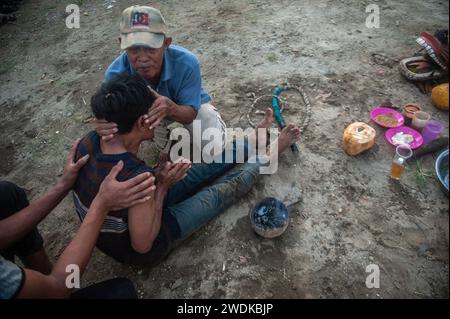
(434, 48)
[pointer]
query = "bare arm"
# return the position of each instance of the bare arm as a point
(144, 222)
(18, 225)
(164, 107)
(112, 195)
(181, 113)
(145, 219)
(78, 252)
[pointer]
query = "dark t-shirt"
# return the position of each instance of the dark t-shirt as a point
(114, 239)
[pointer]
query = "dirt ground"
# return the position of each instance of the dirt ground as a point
(346, 212)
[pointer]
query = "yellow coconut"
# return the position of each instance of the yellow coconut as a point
(439, 96)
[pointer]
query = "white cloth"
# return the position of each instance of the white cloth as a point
(209, 118)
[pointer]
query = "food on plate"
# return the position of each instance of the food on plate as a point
(387, 119)
(402, 138)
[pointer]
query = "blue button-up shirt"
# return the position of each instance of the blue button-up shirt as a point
(180, 77)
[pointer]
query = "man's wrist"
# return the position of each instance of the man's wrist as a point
(98, 205)
(63, 185)
(161, 189)
(171, 110)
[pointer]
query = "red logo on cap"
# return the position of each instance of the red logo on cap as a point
(140, 19)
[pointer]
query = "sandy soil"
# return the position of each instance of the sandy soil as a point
(350, 214)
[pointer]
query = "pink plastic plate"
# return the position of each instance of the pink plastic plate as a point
(386, 110)
(417, 142)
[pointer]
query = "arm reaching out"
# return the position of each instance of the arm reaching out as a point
(18, 225)
(105, 129)
(164, 107)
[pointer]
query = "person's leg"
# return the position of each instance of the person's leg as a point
(209, 117)
(196, 211)
(197, 176)
(117, 288)
(30, 247)
(201, 174)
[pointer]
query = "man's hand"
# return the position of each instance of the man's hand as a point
(71, 168)
(105, 129)
(114, 195)
(170, 173)
(160, 109)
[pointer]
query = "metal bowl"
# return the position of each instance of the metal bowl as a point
(269, 217)
(442, 170)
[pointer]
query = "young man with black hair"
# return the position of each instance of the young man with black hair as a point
(185, 199)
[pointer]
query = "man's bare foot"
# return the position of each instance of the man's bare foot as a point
(288, 136)
(267, 121)
(266, 124)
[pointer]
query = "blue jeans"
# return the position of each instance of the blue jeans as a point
(207, 190)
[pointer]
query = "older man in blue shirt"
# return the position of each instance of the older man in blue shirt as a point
(172, 72)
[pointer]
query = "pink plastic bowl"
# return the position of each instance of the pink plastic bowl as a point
(416, 143)
(385, 110)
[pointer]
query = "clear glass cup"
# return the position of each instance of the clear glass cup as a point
(402, 153)
(420, 120)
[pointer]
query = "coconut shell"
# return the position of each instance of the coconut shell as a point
(439, 96)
